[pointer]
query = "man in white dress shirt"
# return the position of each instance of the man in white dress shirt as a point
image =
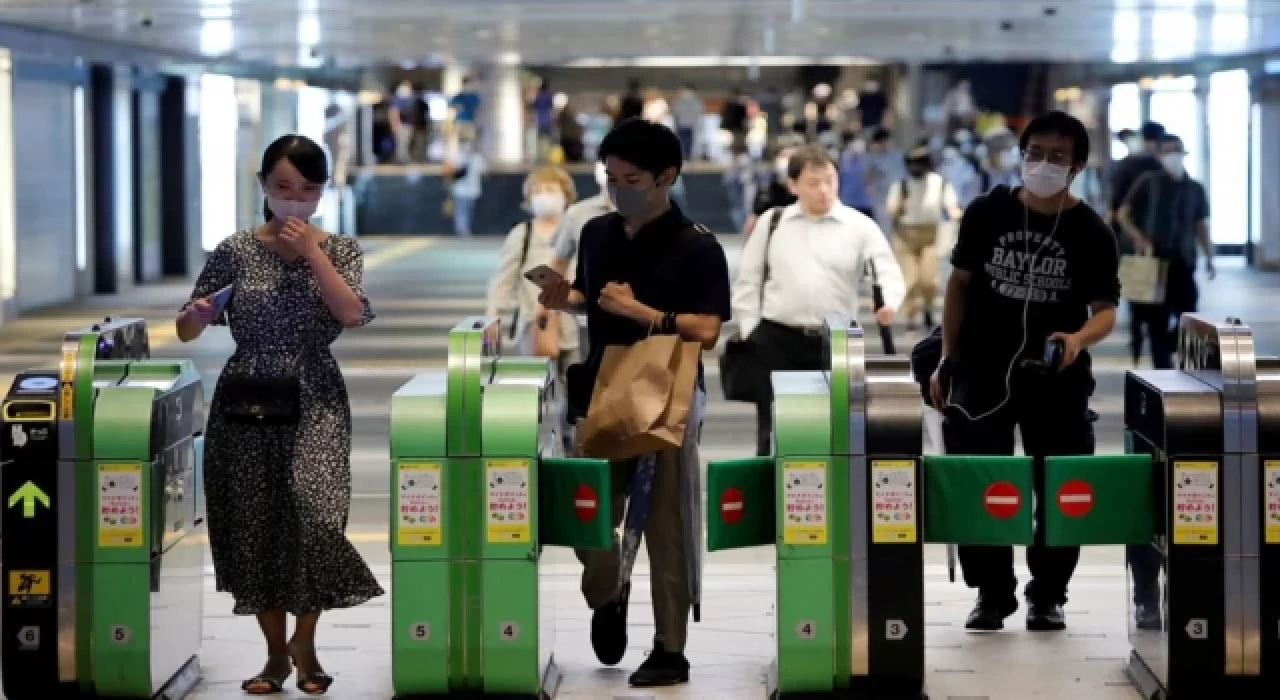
(803, 262)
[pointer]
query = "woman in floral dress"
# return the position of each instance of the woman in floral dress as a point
(279, 491)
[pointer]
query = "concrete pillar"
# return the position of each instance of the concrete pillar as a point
(1265, 172)
(503, 113)
(8, 195)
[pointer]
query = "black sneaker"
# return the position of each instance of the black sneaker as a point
(609, 629)
(988, 616)
(1147, 617)
(660, 669)
(1046, 618)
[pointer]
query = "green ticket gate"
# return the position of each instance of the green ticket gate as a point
(848, 499)
(1212, 427)
(103, 554)
(481, 488)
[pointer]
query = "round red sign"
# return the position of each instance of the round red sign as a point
(1002, 500)
(1075, 498)
(585, 504)
(731, 506)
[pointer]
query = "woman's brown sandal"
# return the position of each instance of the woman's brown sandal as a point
(272, 678)
(315, 682)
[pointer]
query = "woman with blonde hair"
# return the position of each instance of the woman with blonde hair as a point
(548, 190)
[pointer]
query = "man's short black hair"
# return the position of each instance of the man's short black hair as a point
(650, 146)
(1125, 134)
(880, 135)
(1059, 124)
(1153, 131)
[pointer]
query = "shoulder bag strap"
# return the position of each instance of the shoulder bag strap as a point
(768, 240)
(524, 256)
(1153, 200)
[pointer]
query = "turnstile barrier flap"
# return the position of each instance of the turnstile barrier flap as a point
(1098, 499)
(575, 503)
(741, 503)
(978, 499)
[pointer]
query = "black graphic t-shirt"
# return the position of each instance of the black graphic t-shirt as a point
(1022, 265)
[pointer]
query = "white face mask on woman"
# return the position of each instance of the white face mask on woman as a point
(285, 208)
(547, 204)
(1044, 179)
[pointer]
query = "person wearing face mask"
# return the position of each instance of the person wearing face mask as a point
(1166, 214)
(564, 244)
(547, 190)
(1140, 161)
(646, 268)
(277, 472)
(775, 190)
(918, 205)
(1032, 265)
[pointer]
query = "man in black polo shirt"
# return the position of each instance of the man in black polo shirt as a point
(644, 268)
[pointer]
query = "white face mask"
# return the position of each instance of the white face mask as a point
(404, 91)
(1009, 159)
(285, 208)
(1135, 144)
(545, 204)
(1044, 179)
(1174, 163)
(602, 177)
(780, 166)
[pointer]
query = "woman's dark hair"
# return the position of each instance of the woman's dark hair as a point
(647, 145)
(1059, 124)
(305, 155)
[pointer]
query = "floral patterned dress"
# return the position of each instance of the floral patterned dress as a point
(278, 496)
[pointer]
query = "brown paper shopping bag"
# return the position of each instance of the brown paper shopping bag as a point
(641, 398)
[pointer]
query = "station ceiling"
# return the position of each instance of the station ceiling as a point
(663, 32)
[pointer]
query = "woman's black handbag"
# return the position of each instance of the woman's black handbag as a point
(265, 400)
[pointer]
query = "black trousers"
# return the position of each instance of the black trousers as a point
(778, 348)
(1159, 321)
(1052, 413)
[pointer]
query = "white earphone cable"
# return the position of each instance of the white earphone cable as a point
(1026, 308)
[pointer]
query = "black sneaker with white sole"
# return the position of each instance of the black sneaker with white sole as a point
(1046, 618)
(609, 629)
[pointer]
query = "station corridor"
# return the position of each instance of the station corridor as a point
(420, 288)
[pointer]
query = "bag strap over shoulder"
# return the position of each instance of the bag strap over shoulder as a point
(524, 257)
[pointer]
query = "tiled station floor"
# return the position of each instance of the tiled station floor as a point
(422, 287)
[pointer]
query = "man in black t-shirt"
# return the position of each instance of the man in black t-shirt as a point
(645, 268)
(1031, 265)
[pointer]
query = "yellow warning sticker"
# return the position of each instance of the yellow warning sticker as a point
(66, 402)
(893, 501)
(419, 501)
(1195, 503)
(120, 505)
(29, 589)
(507, 501)
(804, 503)
(1272, 474)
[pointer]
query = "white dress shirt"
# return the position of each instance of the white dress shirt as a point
(816, 265)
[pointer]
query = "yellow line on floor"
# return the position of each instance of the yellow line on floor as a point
(378, 258)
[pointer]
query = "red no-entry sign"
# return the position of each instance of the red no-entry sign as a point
(1075, 498)
(1002, 500)
(585, 503)
(731, 506)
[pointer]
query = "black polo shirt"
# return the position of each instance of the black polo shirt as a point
(670, 265)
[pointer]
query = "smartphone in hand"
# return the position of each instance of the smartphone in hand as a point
(543, 276)
(221, 298)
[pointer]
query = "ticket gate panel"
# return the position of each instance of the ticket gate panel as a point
(1267, 498)
(420, 639)
(978, 499)
(575, 504)
(1098, 499)
(741, 496)
(806, 627)
(148, 564)
(510, 636)
(29, 481)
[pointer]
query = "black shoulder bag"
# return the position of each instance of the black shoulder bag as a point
(271, 400)
(739, 375)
